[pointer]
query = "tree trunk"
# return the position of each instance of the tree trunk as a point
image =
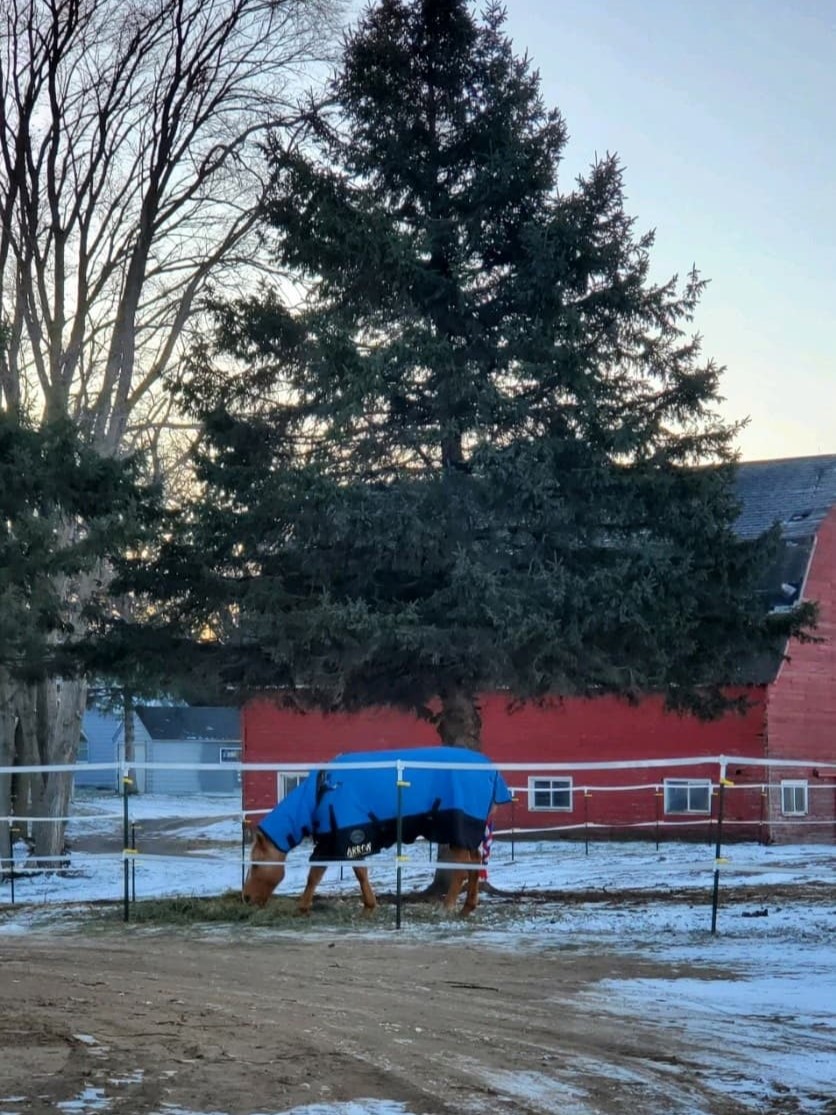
(8, 720)
(459, 724)
(129, 736)
(49, 723)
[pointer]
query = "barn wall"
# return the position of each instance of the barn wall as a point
(801, 710)
(608, 729)
(569, 731)
(274, 735)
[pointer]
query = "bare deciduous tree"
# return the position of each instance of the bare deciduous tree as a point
(130, 175)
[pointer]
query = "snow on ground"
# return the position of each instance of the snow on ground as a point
(778, 960)
(95, 1099)
(214, 821)
(205, 834)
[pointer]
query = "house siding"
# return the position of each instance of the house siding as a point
(106, 744)
(170, 781)
(103, 734)
(801, 709)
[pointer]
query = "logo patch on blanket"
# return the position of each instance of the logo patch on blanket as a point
(358, 845)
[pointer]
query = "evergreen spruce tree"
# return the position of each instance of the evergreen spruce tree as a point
(65, 512)
(482, 450)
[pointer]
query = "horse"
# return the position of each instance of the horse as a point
(351, 813)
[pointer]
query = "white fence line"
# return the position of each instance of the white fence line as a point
(414, 764)
(524, 791)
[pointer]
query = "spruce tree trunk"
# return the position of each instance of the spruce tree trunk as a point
(459, 725)
(49, 728)
(8, 720)
(129, 736)
(460, 722)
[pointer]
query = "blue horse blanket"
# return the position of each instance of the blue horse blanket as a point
(351, 814)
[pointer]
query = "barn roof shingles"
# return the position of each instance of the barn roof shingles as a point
(191, 723)
(797, 492)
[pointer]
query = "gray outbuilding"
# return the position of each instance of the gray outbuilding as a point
(191, 735)
(163, 734)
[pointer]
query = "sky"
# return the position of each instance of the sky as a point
(723, 114)
(724, 117)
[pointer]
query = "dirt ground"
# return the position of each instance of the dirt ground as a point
(165, 1021)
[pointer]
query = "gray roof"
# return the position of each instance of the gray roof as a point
(191, 723)
(796, 492)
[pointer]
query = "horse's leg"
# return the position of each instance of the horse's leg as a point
(472, 897)
(456, 855)
(306, 898)
(369, 897)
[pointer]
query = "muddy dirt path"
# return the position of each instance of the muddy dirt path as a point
(157, 1021)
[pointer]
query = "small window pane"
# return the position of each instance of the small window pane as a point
(794, 798)
(289, 782)
(699, 799)
(676, 799)
(542, 799)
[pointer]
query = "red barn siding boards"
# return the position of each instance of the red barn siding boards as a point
(569, 731)
(273, 735)
(606, 729)
(801, 708)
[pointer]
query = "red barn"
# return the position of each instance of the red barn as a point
(791, 717)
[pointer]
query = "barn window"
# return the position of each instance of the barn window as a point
(687, 795)
(550, 793)
(289, 782)
(794, 798)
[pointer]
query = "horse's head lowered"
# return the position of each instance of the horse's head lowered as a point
(266, 870)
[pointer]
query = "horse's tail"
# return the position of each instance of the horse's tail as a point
(485, 848)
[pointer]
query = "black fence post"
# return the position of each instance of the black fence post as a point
(718, 848)
(126, 850)
(398, 875)
(12, 831)
(761, 839)
(586, 821)
(133, 863)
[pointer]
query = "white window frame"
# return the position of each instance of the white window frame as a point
(288, 780)
(544, 784)
(794, 785)
(688, 784)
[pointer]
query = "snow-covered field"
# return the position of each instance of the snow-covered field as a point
(205, 837)
(778, 957)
